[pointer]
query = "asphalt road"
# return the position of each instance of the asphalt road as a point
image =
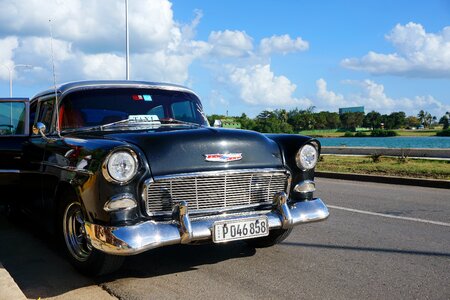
(381, 242)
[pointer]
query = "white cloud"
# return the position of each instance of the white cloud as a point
(230, 43)
(89, 44)
(330, 98)
(258, 85)
(89, 39)
(282, 44)
(103, 66)
(418, 54)
(40, 48)
(372, 96)
(7, 46)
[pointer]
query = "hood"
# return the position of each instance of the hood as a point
(183, 151)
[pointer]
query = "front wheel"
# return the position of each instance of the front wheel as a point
(80, 252)
(275, 236)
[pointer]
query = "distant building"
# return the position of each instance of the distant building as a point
(355, 109)
(227, 123)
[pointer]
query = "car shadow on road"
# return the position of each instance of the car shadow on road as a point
(369, 249)
(179, 258)
(37, 263)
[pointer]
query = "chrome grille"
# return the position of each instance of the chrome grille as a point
(211, 191)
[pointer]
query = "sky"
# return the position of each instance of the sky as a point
(240, 56)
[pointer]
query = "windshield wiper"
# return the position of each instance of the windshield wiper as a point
(178, 122)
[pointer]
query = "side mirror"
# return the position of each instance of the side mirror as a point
(39, 128)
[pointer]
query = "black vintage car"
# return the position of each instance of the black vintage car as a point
(121, 167)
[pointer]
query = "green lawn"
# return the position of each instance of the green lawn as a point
(417, 168)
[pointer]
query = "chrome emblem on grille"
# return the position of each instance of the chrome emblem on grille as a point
(225, 157)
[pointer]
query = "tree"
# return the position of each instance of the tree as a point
(372, 120)
(301, 119)
(445, 120)
(333, 120)
(352, 120)
(246, 122)
(212, 118)
(421, 115)
(394, 121)
(398, 119)
(428, 120)
(320, 120)
(271, 122)
(412, 121)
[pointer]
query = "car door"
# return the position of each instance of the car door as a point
(32, 181)
(14, 132)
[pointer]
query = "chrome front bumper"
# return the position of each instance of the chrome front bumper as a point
(129, 240)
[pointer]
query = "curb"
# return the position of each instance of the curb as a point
(8, 287)
(396, 152)
(443, 184)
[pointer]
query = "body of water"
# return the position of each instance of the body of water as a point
(388, 142)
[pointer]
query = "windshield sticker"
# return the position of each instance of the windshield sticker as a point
(137, 97)
(144, 118)
(147, 97)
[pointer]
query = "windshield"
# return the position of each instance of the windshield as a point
(90, 108)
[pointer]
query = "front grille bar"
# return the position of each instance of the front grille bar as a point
(214, 191)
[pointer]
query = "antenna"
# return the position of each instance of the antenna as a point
(58, 131)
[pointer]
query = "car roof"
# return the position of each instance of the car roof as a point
(99, 84)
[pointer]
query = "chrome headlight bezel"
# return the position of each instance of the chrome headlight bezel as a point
(307, 157)
(133, 159)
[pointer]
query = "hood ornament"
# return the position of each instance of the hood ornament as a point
(223, 157)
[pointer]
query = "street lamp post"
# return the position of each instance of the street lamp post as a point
(127, 42)
(10, 71)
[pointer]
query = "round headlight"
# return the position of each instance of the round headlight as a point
(121, 166)
(306, 157)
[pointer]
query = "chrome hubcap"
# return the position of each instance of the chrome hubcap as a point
(75, 234)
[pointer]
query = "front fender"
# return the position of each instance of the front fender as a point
(289, 145)
(77, 163)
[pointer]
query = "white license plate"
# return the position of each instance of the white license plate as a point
(240, 229)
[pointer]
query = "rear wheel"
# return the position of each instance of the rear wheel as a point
(80, 252)
(275, 236)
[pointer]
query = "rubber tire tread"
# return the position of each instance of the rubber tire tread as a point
(98, 263)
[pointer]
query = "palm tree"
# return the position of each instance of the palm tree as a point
(422, 114)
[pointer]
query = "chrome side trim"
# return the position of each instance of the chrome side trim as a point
(10, 171)
(69, 168)
(135, 239)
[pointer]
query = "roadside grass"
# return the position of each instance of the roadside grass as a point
(389, 166)
(400, 132)
(322, 133)
(419, 132)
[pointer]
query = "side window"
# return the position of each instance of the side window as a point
(183, 111)
(12, 118)
(46, 113)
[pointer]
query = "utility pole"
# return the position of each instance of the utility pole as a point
(127, 42)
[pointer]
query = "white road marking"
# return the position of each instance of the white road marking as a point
(389, 216)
